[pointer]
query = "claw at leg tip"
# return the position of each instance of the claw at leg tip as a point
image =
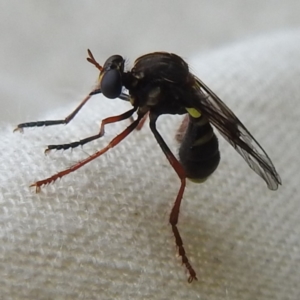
(18, 129)
(47, 150)
(192, 278)
(37, 188)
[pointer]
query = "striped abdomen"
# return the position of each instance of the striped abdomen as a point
(199, 150)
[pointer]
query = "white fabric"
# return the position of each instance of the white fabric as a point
(102, 232)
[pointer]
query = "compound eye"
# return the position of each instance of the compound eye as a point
(111, 77)
(111, 83)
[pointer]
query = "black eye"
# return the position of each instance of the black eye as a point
(111, 83)
(111, 78)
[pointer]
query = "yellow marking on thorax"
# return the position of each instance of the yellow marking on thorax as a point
(193, 112)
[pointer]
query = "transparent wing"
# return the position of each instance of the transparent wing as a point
(236, 134)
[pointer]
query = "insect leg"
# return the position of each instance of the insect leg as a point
(53, 122)
(175, 210)
(20, 127)
(109, 120)
(73, 168)
(142, 122)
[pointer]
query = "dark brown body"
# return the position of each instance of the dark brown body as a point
(165, 86)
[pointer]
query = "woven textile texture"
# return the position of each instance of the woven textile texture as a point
(102, 232)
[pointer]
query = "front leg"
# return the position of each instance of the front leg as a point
(54, 122)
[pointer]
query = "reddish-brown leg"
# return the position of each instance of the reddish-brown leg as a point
(142, 122)
(176, 208)
(104, 122)
(112, 144)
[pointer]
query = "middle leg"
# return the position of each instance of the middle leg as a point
(104, 122)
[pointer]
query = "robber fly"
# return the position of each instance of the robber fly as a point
(161, 83)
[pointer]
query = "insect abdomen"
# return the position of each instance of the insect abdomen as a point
(199, 150)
